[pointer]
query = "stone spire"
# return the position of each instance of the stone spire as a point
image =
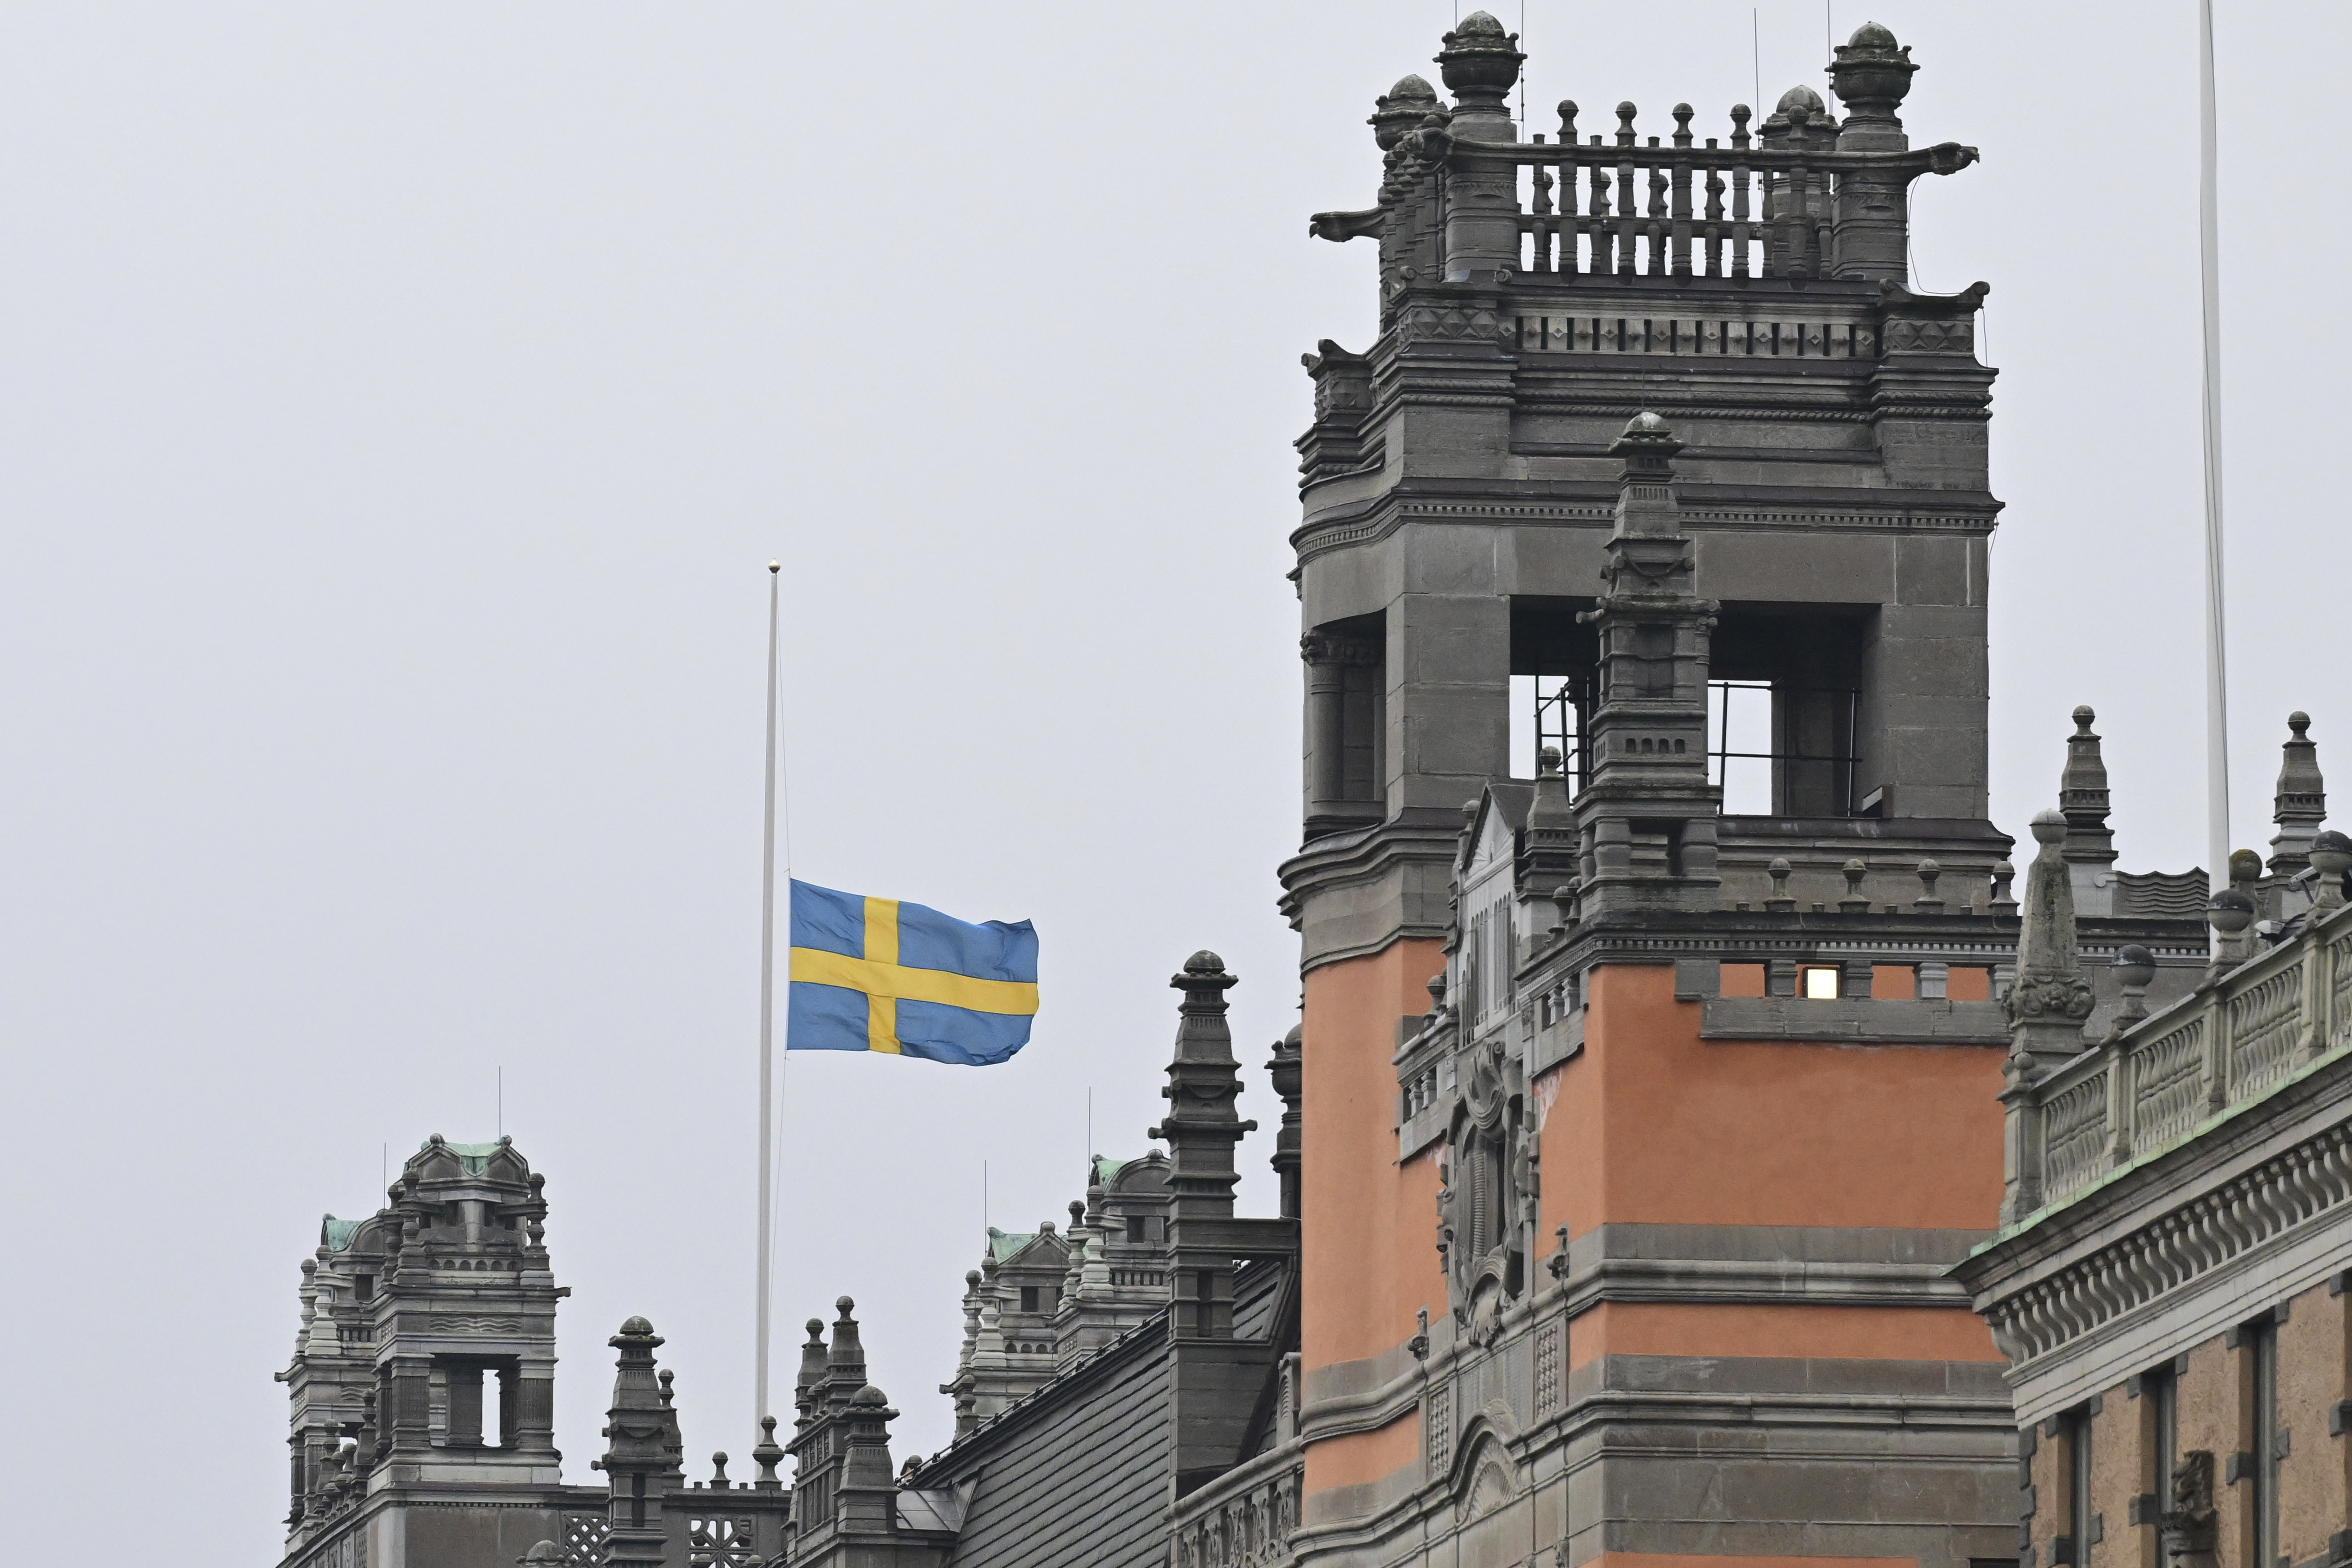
(1201, 1129)
(638, 1430)
(2047, 1004)
(2050, 1000)
(1647, 812)
(2300, 805)
(1551, 856)
(1287, 1072)
(2090, 846)
(869, 1490)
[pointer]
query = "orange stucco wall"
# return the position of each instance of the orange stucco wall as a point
(1654, 1125)
(1359, 1457)
(1806, 1331)
(1368, 1230)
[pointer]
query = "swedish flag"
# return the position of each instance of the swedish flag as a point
(877, 974)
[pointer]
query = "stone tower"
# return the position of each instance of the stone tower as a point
(418, 1321)
(1650, 1059)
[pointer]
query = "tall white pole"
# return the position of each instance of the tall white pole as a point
(2217, 668)
(767, 1028)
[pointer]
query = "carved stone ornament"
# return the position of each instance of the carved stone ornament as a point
(2187, 1527)
(2067, 998)
(1486, 1202)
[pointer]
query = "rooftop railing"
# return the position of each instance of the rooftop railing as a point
(1789, 205)
(2158, 1080)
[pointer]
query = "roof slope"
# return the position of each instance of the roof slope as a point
(1079, 1481)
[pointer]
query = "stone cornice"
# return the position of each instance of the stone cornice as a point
(2258, 1202)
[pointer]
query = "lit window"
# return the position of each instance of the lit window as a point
(1821, 985)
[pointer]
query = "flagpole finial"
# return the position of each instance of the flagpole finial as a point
(775, 566)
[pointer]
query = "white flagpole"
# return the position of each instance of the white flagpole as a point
(767, 1028)
(2217, 682)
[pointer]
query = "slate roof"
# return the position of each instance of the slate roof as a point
(1076, 1476)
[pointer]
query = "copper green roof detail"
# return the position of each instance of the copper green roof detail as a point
(474, 1157)
(1003, 1244)
(336, 1234)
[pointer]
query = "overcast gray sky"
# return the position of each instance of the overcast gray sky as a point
(398, 405)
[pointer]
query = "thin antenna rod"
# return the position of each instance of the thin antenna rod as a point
(1755, 55)
(1090, 1135)
(502, 1103)
(1829, 38)
(767, 1256)
(2217, 671)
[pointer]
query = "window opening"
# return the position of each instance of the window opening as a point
(2081, 1524)
(1757, 747)
(1821, 985)
(2264, 1338)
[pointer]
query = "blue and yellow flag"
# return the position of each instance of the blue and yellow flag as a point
(876, 974)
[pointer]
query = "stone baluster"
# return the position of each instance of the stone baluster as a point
(1541, 182)
(1572, 220)
(1680, 211)
(1627, 248)
(1741, 237)
(1601, 227)
(1711, 239)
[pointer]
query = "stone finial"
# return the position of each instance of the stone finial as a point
(544, 1551)
(2331, 857)
(1552, 844)
(767, 1456)
(2230, 913)
(1928, 903)
(1870, 75)
(812, 1370)
(2300, 803)
(2004, 875)
(1646, 441)
(2082, 787)
(2050, 999)
(1780, 902)
(1567, 122)
(1563, 910)
(1625, 112)
(2082, 799)
(1287, 1072)
(1400, 109)
(1854, 902)
(1480, 64)
(845, 1361)
(2135, 968)
(719, 1471)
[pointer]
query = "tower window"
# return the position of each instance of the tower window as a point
(1139, 1229)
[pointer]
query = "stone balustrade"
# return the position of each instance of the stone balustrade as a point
(1245, 1519)
(2158, 1080)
